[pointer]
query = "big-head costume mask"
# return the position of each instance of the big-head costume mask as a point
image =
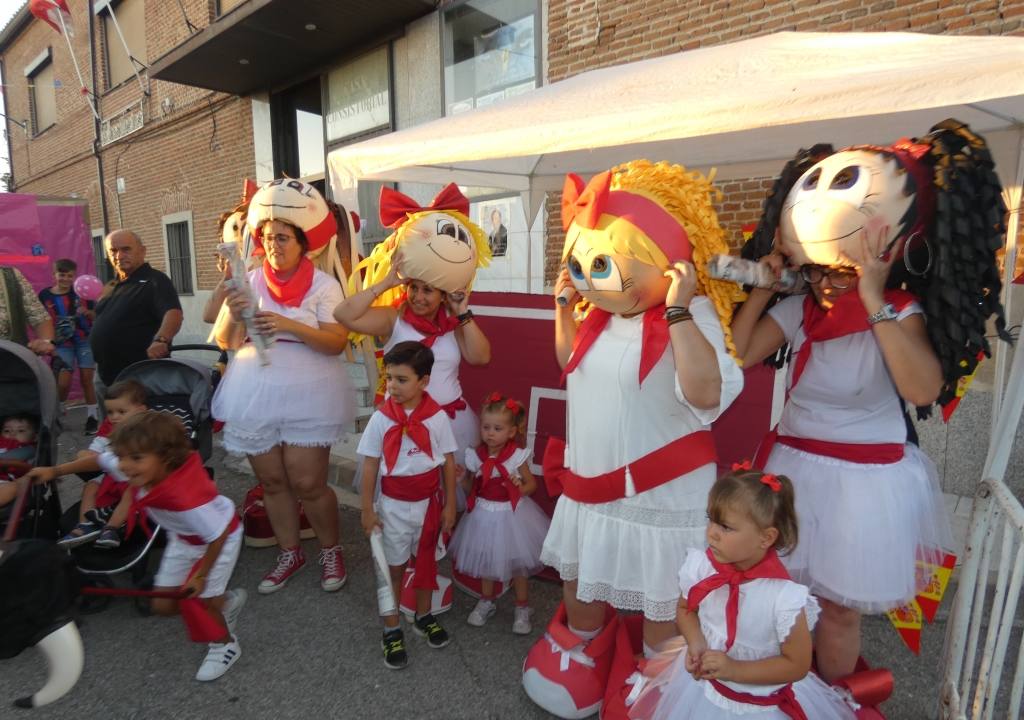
(296, 203)
(628, 225)
(438, 243)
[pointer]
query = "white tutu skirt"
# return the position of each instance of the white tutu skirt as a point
(863, 526)
(628, 552)
(683, 698)
(496, 543)
(302, 398)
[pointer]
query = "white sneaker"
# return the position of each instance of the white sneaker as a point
(219, 658)
(233, 607)
(483, 611)
(521, 625)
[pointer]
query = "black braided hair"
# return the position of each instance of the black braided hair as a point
(962, 286)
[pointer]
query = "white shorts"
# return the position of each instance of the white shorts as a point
(179, 557)
(403, 522)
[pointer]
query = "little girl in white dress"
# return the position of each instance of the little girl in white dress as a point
(746, 645)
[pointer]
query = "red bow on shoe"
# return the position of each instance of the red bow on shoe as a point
(410, 424)
(396, 207)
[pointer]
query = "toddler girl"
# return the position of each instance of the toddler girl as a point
(746, 625)
(502, 533)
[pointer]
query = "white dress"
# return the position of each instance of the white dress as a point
(494, 541)
(768, 608)
(625, 552)
(860, 524)
(303, 397)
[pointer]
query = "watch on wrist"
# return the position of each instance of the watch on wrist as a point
(886, 312)
(161, 339)
(465, 317)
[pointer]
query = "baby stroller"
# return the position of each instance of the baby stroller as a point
(183, 387)
(27, 386)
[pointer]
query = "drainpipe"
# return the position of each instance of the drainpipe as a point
(96, 119)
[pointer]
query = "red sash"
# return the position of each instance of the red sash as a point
(454, 406)
(487, 486)
(186, 488)
(769, 567)
(652, 346)
(658, 467)
(109, 491)
(289, 292)
(430, 329)
(784, 699)
(867, 453)
(201, 625)
(410, 424)
(413, 488)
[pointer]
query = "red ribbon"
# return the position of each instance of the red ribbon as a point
(486, 485)
(396, 207)
(784, 699)
(769, 567)
(183, 489)
(653, 343)
(452, 408)
(583, 204)
(289, 291)
(407, 424)
(413, 488)
(431, 330)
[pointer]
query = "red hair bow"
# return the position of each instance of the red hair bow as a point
(512, 405)
(771, 481)
(396, 207)
(584, 204)
(745, 465)
(494, 398)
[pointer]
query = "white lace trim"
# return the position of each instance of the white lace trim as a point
(654, 610)
(787, 617)
(651, 516)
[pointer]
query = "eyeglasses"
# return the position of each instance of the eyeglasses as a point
(279, 240)
(839, 278)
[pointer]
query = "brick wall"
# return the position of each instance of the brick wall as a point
(191, 154)
(588, 34)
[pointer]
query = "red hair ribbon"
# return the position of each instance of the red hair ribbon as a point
(584, 203)
(771, 481)
(512, 405)
(494, 398)
(396, 207)
(745, 465)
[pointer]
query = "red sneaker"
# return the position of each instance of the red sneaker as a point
(288, 563)
(625, 677)
(333, 575)
(440, 599)
(566, 676)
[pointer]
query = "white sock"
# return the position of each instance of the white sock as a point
(91, 410)
(649, 652)
(584, 635)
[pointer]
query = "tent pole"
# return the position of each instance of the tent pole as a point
(1013, 203)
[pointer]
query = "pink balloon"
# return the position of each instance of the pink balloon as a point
(88, 287)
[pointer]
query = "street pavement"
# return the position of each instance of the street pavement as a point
(311, 654)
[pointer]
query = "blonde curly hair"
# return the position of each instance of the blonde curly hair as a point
(687, 196)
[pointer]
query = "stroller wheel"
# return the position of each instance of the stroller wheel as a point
(92, 604)
(142, 604)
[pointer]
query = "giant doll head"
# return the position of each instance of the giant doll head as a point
(298, 204)
(628, 225)
(438, 244)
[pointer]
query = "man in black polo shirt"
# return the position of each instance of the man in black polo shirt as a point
(140, 316)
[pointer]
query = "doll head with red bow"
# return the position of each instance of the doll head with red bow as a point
(628, 225)
(439, 245)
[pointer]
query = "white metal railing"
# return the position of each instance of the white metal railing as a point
(973, 666)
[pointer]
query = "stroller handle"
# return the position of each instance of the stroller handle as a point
(196, 346)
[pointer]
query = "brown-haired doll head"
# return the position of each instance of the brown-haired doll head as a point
(764, 499)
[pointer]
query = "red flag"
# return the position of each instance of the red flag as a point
(55, 13)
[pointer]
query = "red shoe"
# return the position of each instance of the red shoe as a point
(440, 602)
(565, 676)
(868, 687)
(472, 586)
(624, 678)
(333, 575)
(289, 562)
(256, 524)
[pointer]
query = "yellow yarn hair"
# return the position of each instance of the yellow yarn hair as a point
(687, 196)
(378, 264)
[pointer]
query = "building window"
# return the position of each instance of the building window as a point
(297, 125)
(104, 270)
(42, 94)
(180, 258)
(226, 6)
(130, 17)
(359, 96)
(491, 52)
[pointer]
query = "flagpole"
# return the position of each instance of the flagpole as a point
(78, 72)
(131, 58)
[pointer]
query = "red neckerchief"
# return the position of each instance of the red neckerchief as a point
(410, 424)
(106, 427)
(186, 488)
(769, 567)
(846, 317)
(12, 444)
(486, 474)
(655, 338)
(430, 329)
(291, 291)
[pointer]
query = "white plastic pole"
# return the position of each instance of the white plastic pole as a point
(74, 61)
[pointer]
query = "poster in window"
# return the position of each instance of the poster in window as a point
(494, 217)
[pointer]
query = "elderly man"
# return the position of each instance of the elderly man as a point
(19, 308)
(139, 317)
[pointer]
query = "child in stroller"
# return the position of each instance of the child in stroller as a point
(102, 509)
(17, 446)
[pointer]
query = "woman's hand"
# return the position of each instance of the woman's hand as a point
(370, 521)
(238, 303)
(194, 586)
(683, 286)
(458, 302)
(873, 269)
(715, 664)
(270, 323)
(394, 277)
(562, 282)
